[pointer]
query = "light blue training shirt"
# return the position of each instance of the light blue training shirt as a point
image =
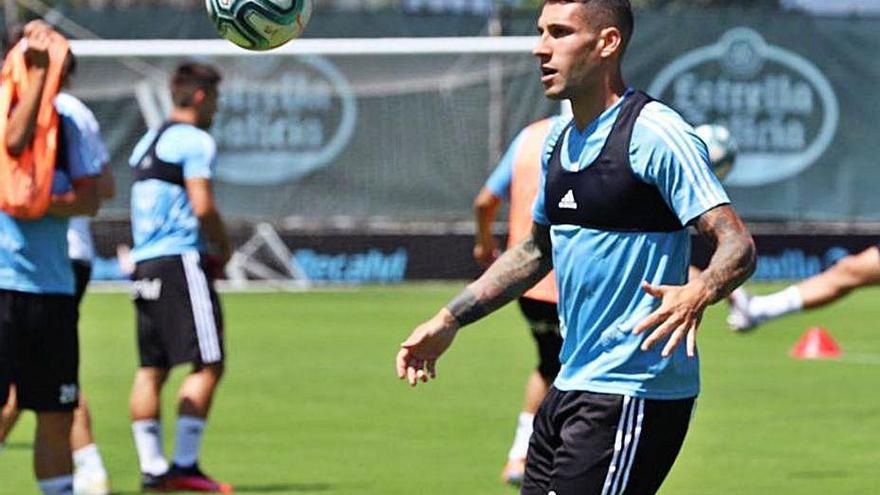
(162, 219)
(599, 273)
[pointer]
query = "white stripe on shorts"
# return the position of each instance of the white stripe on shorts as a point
(202, 308)
(629, 429)
(618, 444)
(637, 433)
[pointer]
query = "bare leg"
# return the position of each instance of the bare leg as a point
(9, 415)
(197, 391)
(89, 474)
(849, 273)
(52, 457)
(194, 402)
(144, 400)
(536, 389)
(81, 431)
(144, 408)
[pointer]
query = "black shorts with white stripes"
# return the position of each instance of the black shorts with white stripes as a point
(599, 444)
(179, 319)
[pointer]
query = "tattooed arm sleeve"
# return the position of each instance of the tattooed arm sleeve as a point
(734, 258)
(517, 270)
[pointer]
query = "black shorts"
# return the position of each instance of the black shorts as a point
(179, 319)
(82, 273)
(543, 319)
(39, 350)
(600, 444)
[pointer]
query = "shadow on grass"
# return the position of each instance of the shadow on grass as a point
(287, 487)
(272, 488)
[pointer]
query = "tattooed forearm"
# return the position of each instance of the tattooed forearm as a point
(734, 258)
(466, 307)
(513, 273)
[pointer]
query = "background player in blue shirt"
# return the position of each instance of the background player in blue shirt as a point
(516, 179)
(174, 223)
(39, 351)
(621, 182)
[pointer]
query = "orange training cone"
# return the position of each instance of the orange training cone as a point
(816, 343)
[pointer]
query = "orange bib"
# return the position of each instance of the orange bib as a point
(523, 189)
(26, 180)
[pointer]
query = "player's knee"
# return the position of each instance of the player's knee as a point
(850, 272)
(9, 402)
(151, 377)
(213, 370)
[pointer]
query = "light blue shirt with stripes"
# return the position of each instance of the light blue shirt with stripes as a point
(162, 218)
(599, 273)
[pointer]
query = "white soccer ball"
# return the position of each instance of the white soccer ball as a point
(259, 24)
(722, 148)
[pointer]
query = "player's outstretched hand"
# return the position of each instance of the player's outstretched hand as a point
(678, 316)
(417, 359)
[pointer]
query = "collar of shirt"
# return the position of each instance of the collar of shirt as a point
(584, 146)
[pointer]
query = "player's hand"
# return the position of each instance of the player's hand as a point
(485, 254)
(417, 359)
(38, 39)
(36, 25)
(678, 316)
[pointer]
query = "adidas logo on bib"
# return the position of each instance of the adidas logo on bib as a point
(567, 202)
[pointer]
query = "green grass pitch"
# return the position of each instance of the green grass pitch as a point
(311, 405)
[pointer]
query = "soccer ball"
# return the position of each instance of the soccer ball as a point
(259, 24)
(722, 148)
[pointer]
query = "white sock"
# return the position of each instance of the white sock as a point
(148, 442)
(87, 460)
(62, 485)
(521, 439)
(188, 440)
(774, 305)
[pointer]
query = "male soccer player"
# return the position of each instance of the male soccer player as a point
(620, 183)
(80, 127)
(747, 312)
(90, 475)
(175, 222)
(516, 178)
(39, 351)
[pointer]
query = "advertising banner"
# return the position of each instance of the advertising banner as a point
(409, 138)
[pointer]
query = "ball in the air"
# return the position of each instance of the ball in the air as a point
(722, 148)
(259, 24)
